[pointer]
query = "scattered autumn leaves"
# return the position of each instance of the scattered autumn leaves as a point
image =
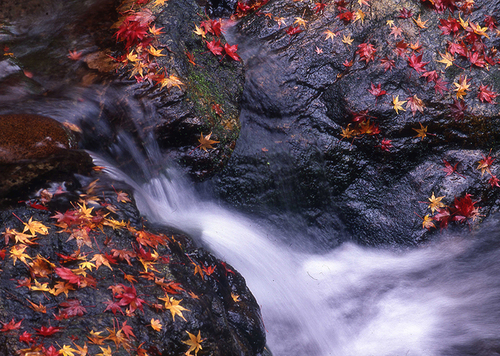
(467, 49)
(60, 277)
(462, 209)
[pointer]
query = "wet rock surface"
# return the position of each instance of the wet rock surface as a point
(304, 89)
(35, 150)
(93, 274)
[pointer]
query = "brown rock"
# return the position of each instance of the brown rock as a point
(27, 136)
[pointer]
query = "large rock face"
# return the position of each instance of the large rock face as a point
(312, 116)
(90, 275)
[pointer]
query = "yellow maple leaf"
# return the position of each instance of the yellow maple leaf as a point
(347, 132)
(478, 30)
(422, 131)
(155, 52)
(132, 57)
(463, 23)
(174, 306)
(105, 352)
(359, 15)
(171, 81)
(199, 31)
(21, 237)
(155, 31)
(427, 222)
(99, 260)
(435, 203)
(447, 59)
(159, 2)
(67, 350)
(156, 324)
(397, 104)
(82, 351)
(300, 21)
(420, 23)
(96, 338)
(17, 253)
(61, 287)
(347, 40)
(38, 308)
(206, 142)
(87, 265)
(329, 35)
(35, 226)
(461, 87)
(194, 343)
(390, 23)
(41, 287)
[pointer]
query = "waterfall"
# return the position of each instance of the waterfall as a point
(441, 299)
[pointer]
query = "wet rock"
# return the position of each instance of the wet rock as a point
(142, 271)
(35, 150)
(304, 89)
(206, 99)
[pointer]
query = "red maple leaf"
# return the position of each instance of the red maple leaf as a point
(457, 48)
(494, 181)
(215, 47)
(113, 306)
(231, 51)
(449, 26)
(72, 307)
(387, 63)
(366, 52)
(401, 48)
(127, 330)
(440, 85)
(385, 144)
(215, 26)
(11, 325)
(129, 297)
(486, 95)
(449, 169)
(293, 30)
(464, 209)
(26, 337)
(47, 331)
(67, 274)
(443, 216)
(490, 22)
(416, 63)
(457, 109)
(477, 60)
(404, 13)
(376, 90)
(346, 16)
(132, 32)
(51, 351)
(431, 76)
(319, 7)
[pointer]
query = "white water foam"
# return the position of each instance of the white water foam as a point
(351, 301)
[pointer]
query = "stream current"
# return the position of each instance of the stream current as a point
(442, 299)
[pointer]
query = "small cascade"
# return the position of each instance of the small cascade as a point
(442, 299)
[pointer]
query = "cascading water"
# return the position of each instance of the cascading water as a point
(439, 300)
(442, 299)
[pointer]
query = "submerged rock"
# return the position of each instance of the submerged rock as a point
(35, 150)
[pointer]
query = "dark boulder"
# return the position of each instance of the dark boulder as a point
(345, 157)
(93, 274)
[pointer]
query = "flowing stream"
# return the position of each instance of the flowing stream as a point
(442, 299)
